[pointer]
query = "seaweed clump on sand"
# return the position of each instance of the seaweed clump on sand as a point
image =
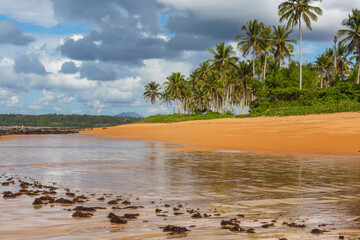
(175, 229)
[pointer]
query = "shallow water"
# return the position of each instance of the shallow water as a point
(304, 189)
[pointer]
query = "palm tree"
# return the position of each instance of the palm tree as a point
(323, 63)
(152, 92)
(212, 89)
(296, 10)
(223, 58)
(175, 87)
(341, 60)
(268, 46)
(352, 35)
(166, 98)
(335, 51)
(283, 43)
(252, 41)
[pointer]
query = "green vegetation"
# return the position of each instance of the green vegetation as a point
(55, 120)
(185, 117)
(271, 83)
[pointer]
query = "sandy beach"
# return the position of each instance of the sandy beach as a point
(330, 134)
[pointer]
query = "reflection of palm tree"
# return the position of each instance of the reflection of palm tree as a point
(175, 87)
(253, 40)
(152, 92)
(295, 10)
(283, 43)
(352, 35)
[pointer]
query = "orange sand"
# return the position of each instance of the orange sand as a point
(333, 134)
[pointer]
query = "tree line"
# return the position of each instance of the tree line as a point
(58, 120)
(224, 84)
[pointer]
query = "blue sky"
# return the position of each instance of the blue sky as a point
(94, 57)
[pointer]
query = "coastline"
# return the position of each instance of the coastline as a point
(325, 134)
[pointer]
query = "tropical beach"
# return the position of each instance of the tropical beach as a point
(172, 119)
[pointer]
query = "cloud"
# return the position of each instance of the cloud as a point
(11, 34)
(59, 98)
(39, 12)
(68, 68)
(97, 71)
(12, 102)
(29, 64)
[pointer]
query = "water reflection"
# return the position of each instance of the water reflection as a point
(317, 188)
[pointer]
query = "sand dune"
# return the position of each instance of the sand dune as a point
(334, 134)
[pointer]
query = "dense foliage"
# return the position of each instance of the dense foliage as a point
(268, 84)
(55, 120)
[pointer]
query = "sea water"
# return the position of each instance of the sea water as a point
(313, 190)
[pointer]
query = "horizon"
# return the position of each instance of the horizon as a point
(59, 58)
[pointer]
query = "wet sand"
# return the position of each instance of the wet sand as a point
(329, 134)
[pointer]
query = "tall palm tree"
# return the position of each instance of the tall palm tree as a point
(283, 43)
(252, 41)
(323, 63)
(152, 91)
(341, 60)
(352, 35)
(223, 57)
(166, 98)
(175, 86)
(296, 10)
(268, 46)
(212, 89)
(335, 51)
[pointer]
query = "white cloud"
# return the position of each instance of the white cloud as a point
(39, 12)
(12, 102)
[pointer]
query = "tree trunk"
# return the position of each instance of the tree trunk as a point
(335, 64)
(358, 76)
(300, 54)
(254, 64)
(321, 81)
(265, 68)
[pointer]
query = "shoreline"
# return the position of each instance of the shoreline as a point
(324, 134)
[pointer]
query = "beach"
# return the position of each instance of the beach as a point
(325, 134)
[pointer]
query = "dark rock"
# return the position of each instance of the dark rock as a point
(9, 194)
(85, 209)
(69, 194)
(80, 214)
(113, 202)
(196, 215)
(317, 231)
(126, 202)
(64, 201)
(175, 229)
(131, 215)
(295, 225)
(37, 201)
(250, 230)
(267, 225)
(116, 219)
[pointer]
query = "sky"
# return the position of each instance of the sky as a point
(94, 57)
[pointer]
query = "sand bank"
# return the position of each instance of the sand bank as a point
(333, 134)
